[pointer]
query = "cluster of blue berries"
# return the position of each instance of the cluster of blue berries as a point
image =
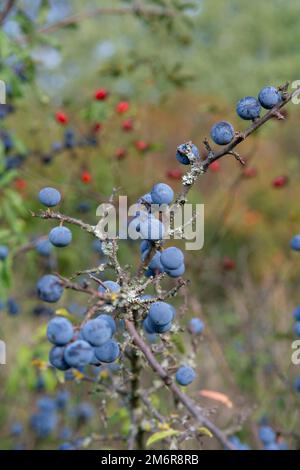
(55, 417)
(169, 261)
(92, 344)
(248, 108)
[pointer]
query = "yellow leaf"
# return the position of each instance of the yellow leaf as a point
(78, 375)
(159, 436)
(64, 313)
(205, 431)
(163, 426)
(39, 364)
(104, 374)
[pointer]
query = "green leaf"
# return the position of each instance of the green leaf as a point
(159, 436)
(178, 342)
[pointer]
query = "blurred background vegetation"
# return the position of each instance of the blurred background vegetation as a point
(180, 72)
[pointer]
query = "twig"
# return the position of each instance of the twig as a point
(181, 396)
(135, 9)
(64, 219)
(199, 169)
(7, 9)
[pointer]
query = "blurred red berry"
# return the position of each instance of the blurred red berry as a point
(214, 167)
(122, 107)
(101, 94)
(127, 125)
(20, 184)
(86, 177)
(174, 174)
(121, 153)
(280, 182)
(141, 145)
(228, 264)
(249, 172)
(97, 127)
(61, 117)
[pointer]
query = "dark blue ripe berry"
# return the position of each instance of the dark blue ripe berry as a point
(295, 243)
(3, 252)
(187, 153)
(59, 331)
(60, 236)
(297, 313)
(269, 97)
(43, 247)
(96, 332)
(108, 352)
(196, 326)
(152, 229)
(108, 319)
(161, 313)
(13, 307)
(248, 108)
(155, 264)
(297, 328)
(222, 133)
(78, 354)
(266, 435)
(56, 358)
(50, 197)
(49, 288)
(162, 193)
(176, 272)
(172, 258)
(108, 287)
(185, 375)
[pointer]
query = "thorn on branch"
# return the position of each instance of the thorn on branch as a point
(237, 157)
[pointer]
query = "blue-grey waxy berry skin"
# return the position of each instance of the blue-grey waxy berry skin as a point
(297, 328)
(50, 197)
(185, 375)
(162, 193)
(79, 353)
(60, 331)
(110, 286)
(161, 313)
(155, 263)
(108, 319)
(269, 97)
(96, 332)
(44, 247)
(60, 237)
(108, 352)
(152, 229)
(3, 252)
(295, 243)
(172, 258)
(297, 313)
(176, 272)
(248, 108)
(49, 288)
(266, 435)
(196, 326)
(222, 133)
